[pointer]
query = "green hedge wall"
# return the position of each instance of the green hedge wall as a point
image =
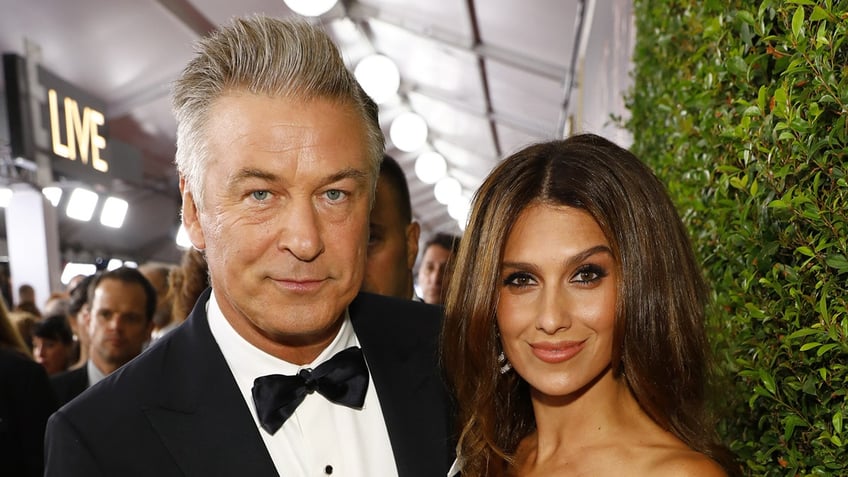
(741, 106)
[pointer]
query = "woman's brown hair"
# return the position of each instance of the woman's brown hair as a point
(660, 346)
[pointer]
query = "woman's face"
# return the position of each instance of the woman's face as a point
(556, 306)
(52, 354)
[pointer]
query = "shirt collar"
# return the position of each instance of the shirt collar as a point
(94, 373)
(249, 360)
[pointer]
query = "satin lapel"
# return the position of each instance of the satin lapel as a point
(403, 364)
(200, 415)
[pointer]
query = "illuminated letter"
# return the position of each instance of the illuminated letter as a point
(58, 148)
(81, 129)
(71, 114)
(97, 141)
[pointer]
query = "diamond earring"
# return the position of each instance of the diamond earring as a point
(504, 364)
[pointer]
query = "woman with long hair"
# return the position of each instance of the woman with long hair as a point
(579, 347)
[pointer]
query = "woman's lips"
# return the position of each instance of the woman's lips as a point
(557, 352)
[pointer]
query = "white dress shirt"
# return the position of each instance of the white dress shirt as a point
(320, 438)
(94, 373)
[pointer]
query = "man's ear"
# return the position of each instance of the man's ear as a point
(413, 232)
(191, 217)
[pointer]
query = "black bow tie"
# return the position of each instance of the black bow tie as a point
(343, 379)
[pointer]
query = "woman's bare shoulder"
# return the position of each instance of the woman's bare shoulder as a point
(685, 462)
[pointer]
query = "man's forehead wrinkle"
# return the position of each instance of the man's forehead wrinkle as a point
(252, 173)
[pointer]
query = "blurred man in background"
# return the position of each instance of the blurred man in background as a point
(393, 239)
(434, 267)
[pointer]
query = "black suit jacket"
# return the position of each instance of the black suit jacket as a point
(70, 384)
(176, 409)
(26, 401)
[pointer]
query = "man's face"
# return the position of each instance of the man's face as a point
(432, 273)
(118, 327)
(392, 246)
(284, 222)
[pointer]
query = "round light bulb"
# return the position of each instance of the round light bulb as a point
(447, 189)
(310, 8)
(458, 208)
(408, 132)
(430, 167)
(379, 77)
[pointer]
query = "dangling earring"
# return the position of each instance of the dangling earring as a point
(504, 364)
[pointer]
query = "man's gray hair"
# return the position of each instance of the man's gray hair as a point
(268, 56)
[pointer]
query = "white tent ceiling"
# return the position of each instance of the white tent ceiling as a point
(488, 76)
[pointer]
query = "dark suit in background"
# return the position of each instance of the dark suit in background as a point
(181, 427)
(26, 401)
(70, 384)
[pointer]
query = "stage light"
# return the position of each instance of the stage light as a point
(408, 132)
(53, 194)
(447, 190)
(378, 76)
(430, 167)
(310, 8)
(114, 212)
(81, 204)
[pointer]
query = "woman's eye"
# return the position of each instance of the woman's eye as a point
(334, 194)
(519, 280)
(260, 195)
(589, 274)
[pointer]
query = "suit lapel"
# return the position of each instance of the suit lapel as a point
(404, 368)
(200, 414)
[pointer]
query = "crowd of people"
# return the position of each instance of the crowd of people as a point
(562, 334)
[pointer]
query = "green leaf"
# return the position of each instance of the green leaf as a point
(823, 309)
(746, 17)
(804, 250)
(768, 381)
(737, 66)
(822, 36)
(837, 422)
(738, 183)
(809, 387)
(819, 13)
(838, 262)
(809, 346)
(780, 102)
(825, 348)
(801, 333)
(790, 423)
(798, 21)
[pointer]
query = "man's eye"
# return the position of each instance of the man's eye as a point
(260, 195)
(334, 194)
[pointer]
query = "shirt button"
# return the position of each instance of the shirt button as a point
(328, 469)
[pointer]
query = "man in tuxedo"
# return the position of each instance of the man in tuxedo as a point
(121, 304)
(282, 367)
(393, 237)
